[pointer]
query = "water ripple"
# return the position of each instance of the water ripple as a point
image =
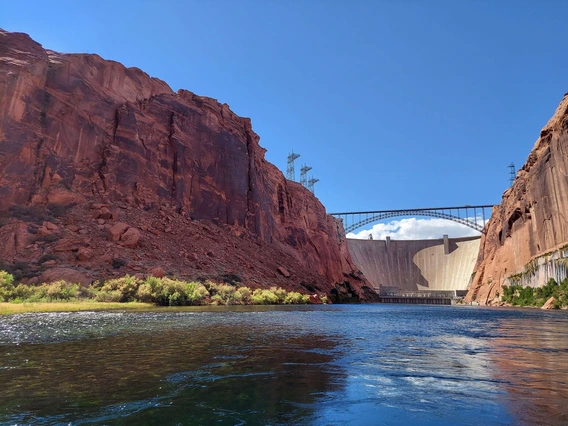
(370, 364)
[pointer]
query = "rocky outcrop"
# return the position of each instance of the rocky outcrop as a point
(527, 234)
(549, 304)
(77, 130)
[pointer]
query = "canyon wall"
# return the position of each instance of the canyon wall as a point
(80, 131)
(416, 264)
(527, 235)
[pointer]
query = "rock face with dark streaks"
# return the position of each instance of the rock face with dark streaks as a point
(527, 235)
(114, 145)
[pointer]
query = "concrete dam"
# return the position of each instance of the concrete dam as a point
(444, 264)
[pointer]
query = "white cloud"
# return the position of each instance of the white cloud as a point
(416, 229)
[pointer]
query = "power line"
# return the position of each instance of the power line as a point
(311, 183)
(512, 174)
(290, 171)
(303, 178)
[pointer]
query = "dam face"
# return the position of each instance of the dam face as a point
(443, 264)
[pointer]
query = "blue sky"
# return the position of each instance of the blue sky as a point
(395, 104)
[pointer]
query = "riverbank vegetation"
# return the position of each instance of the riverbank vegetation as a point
(518, 295)
(150, 291)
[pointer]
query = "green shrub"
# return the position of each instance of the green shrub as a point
(145, 293)
(244, 294)
(156, 289)
(170, 292)
(60, 290)
(264, 297)
(528, 296)
(548, 290)
(280, 294)
(295, 298)
(24, 292)
(127, 286)
(6, 286)
(108, 296)
(86, 292)
(177, 299)
(6, 278)
(196, 293)
(226, 295)
(174, 292)
(153, 282)
(211, 287)
(161, 291)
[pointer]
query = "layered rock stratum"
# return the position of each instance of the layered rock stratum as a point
(527, 236)
(105, 170)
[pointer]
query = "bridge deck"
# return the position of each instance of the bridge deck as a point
(468, 215)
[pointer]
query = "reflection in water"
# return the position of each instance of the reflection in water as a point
(531, 357)
(364, 365)
(416, 365)
(187, 374)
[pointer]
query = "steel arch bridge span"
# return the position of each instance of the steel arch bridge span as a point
(470, 216)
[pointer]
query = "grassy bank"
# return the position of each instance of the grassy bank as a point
(7, 308)
(115, 293)
(518, 295)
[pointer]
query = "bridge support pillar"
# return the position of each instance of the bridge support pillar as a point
(446, 244)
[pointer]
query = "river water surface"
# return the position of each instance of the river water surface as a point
(309, 365)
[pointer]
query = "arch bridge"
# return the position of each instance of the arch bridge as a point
(473, 216)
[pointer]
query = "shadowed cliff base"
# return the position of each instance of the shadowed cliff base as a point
(104, 168)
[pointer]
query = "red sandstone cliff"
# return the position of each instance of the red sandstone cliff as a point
(527, 233)
(185, 173)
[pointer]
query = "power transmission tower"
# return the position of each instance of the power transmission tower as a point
(311, 183)
(290, 171)
(303, 178)
(512, 173)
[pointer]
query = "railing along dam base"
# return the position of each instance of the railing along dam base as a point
(422, 297)
(416, 300)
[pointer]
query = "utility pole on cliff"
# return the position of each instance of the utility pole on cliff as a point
(311, 183)
(512, 173)
(290, 172)
(303, 178)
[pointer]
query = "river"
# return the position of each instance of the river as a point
(308, 365)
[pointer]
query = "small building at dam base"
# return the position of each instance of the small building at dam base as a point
(433, 271)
